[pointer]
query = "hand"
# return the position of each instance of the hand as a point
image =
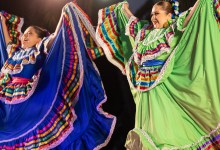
(125, 6)
(2, 18)
(127, 12)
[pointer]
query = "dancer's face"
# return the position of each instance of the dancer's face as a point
(160, 17)
(29, 38)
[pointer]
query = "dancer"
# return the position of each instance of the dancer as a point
(173, 69)
(50, 90)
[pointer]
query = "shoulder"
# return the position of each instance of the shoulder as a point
(43, 45)
(12, 47)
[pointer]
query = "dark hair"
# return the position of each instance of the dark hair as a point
(41, 32)
(166, 6)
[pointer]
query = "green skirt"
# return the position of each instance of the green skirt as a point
(183, 110)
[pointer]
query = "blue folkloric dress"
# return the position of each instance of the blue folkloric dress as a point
(53, 99)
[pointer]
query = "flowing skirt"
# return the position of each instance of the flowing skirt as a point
(182, 110)
(65, 109)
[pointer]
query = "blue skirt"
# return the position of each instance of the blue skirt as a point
(65, 109)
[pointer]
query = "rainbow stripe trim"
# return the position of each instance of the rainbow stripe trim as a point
(14, 24)
(107, 33)
(217, 11)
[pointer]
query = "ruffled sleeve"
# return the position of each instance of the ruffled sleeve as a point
(11, 48)
(14, 25)
(134, 25)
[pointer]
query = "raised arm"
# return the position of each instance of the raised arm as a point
(5, 29)
(190, 14)
(54, 35)
(127, 11)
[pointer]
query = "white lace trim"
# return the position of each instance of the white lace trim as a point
(87, 24)
(25, 53)
(180, 147)
(99, 108)
(150, 57)
(20, 55)
(153, 36)
(158, 78)
(146, 42)
(74, 8)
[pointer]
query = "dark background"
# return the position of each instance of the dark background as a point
(46, 13)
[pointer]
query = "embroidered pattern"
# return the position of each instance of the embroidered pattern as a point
(15, 63)
(217, 11)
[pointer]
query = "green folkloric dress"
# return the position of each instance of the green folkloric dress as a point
(174, 76)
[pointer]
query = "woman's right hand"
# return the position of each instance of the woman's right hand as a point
(3, 20)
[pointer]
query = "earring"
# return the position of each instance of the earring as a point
(170, 21)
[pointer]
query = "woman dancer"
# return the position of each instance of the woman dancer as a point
(50, 90)
(173, 69)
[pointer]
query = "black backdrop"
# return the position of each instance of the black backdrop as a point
(46, 13)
